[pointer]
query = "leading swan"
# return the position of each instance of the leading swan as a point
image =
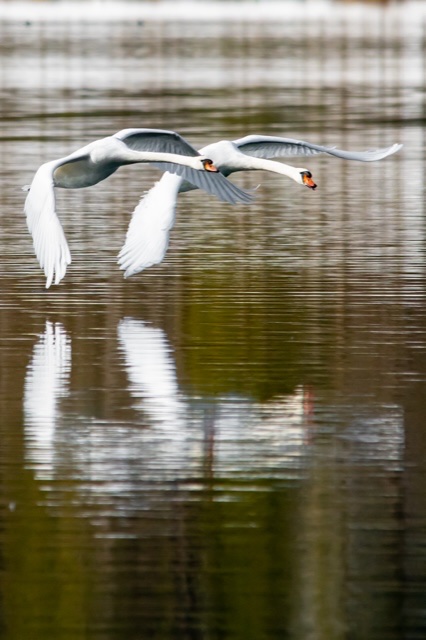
(148, 233)
(98, 160)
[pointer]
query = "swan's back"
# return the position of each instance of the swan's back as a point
(226, 157)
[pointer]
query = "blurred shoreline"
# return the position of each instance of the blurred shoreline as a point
(205, 11)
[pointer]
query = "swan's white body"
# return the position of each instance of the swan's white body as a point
(148, 233)
(95, 162)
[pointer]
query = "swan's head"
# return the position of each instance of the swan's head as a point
(306, 178)
(208, 165)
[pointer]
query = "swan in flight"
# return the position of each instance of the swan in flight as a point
(148, 233)
(98, 160)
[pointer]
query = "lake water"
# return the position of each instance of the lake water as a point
(231, 444)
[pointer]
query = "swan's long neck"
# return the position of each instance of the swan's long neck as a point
(110, 150)
(132, 156)
(262, 164)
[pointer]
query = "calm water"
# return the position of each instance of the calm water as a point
(231, 444)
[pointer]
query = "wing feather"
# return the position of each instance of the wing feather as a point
(148, 234)
(50, 245)
(214, 183)
(158, 140)
(162, 141)
(275, 147)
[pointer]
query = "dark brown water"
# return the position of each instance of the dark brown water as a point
(231, 444)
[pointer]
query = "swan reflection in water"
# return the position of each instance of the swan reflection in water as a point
(46, 382)
(174, 435)
(246, 436)
(151, 371)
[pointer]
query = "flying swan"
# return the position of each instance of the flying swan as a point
(98, 160)
(148, 233)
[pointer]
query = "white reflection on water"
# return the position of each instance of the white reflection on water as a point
(377, 437)
(176, 436)
(245, 435)
(150, 369)
(46, 383)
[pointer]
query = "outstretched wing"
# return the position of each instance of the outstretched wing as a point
(161, 141)
(148, 234)
(275, 147)
(214, 183)
(50, 245)
(158, 140)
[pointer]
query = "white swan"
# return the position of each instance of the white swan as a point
(95, 162)
(148, 233)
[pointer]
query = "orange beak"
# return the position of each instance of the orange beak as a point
(307, 180)
(209, 166)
